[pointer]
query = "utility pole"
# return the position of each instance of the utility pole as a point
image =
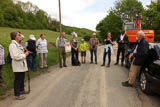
(60, 25)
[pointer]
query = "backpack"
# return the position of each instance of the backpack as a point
(8, 59)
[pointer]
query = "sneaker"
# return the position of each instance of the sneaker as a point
(126, 84)
(19, 97)
(2, 85)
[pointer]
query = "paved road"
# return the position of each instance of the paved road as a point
(89, 85)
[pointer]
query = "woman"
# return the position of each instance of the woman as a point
(42, 50)
(19, 64)
(74, 50)
(107, 49)
(1, 65)
(30, 45)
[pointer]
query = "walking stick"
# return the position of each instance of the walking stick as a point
(29, 88)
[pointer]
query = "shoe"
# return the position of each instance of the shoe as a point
(95, 62)
(103, 65)
(2, 85)
(122, 64)
(108, 65)
(91, 62)
(126, 84)
(116, 63)
(60, 66)
(19, 97)
(24, 92)
(64, 65)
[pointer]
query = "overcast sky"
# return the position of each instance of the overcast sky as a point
(78, 13)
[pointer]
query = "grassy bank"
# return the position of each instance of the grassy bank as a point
(51, 36)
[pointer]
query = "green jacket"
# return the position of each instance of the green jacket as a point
(83, 47)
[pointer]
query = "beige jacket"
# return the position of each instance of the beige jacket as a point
(19, 63)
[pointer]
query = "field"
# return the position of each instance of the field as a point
(51, 36)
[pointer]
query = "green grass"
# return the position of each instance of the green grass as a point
(8, 75)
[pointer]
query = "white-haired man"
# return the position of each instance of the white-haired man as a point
(140, 55)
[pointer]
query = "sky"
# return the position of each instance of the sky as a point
(78, 13)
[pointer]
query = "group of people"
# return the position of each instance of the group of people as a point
(23, 59)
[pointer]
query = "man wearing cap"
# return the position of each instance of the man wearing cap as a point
(61, 50)
(83, 49)
(30, 45)
(93, 46)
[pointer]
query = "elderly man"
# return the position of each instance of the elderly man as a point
(140, 54)
(61, 49)
(93, 46)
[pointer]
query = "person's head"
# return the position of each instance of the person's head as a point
(16, 36)
(74, 35)
(94, 35)
(83, 40)
(32, 37)
(63, 34)
(109, 35)
(140, 35)
(42, 36)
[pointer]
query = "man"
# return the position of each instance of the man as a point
(122, 43)
(93, 46)
(140, 55)
(61, 50)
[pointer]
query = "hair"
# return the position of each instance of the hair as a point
(42, 35)
(141, 33)
(123, 32)
(13, 35)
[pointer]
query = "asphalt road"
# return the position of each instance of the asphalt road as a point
(89, 85)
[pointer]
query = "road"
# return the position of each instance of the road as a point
(89, 85)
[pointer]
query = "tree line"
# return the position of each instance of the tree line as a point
(125, 11)
(17, 14)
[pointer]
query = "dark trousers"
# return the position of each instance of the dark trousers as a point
(95, 54)
(31, 62)
(109, 56)
(1, 66)
(19, 83)
(74, 55)
(120, 50)
(62, 55)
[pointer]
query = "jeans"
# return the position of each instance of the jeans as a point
(18, 83)
(92, 51)
(118, 54)
(109, 56)
(31, 62)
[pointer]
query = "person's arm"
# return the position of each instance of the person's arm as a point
(125, 40)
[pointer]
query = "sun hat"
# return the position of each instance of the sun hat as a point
(32, 37)
(74, 33)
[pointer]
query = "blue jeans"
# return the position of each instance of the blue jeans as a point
(31, 62)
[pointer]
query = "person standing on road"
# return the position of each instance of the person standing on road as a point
(42, 50)
(61, 49)
(93, 46)
(30, 45)
(74, 50)
(122, 44)
(140, 55)
(107, 49)
(1, 65)
(83, 49)
(19, 64)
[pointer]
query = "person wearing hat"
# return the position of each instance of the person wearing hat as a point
(42, 50)
(74, 50)
(19, 64)
(30, 45)
(83, 49)
(93, 46)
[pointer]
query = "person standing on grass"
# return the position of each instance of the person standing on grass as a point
(74, 50)
(107, 49)
(19, 64)
(30, 45)
(83, 49)
(42, 50)
(1, 65)
(93, 46)
(61, 49)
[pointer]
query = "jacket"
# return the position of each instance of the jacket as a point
(83, 47)
(142, 53)
(91, 45)
(122, 45)
(1, 55)
(19, 63)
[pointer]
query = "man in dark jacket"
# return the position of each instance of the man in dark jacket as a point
(140, 55)
(122, 44)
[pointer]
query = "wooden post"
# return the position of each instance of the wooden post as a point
(60, 17)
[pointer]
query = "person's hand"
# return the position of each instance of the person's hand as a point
(105, 40)
(131, 55)
(27, 53)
